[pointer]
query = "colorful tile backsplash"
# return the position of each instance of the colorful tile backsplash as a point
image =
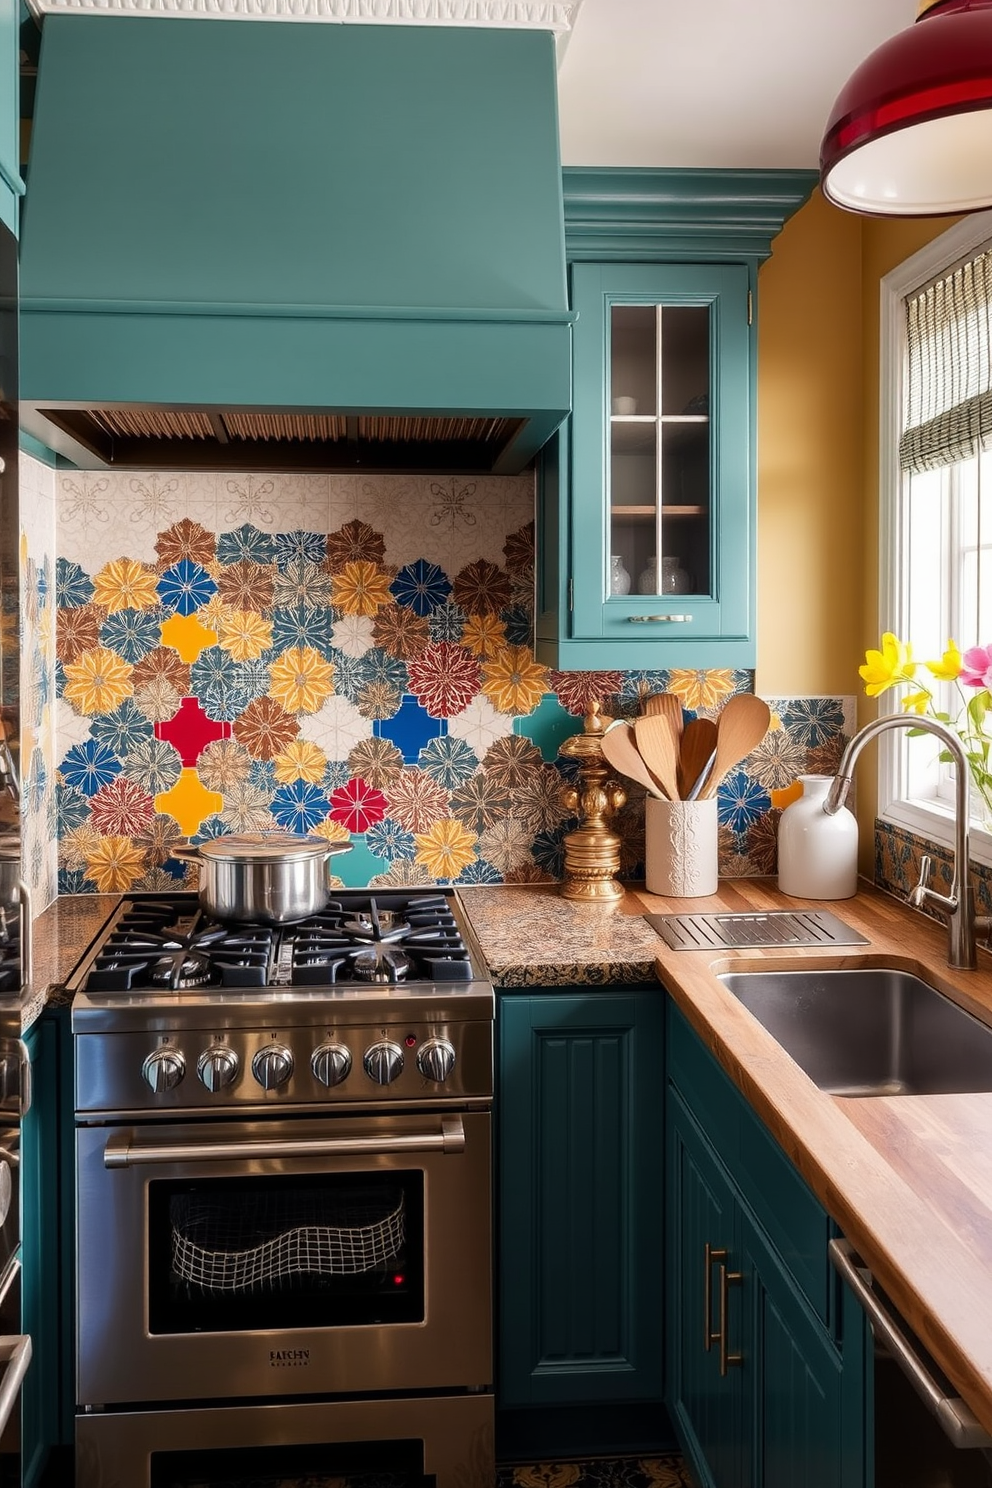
(345, 655)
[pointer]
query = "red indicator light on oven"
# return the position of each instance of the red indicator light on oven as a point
(410, 1040)
(399, 1280)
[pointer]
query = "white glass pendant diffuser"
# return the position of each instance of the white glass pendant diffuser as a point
(910, 134)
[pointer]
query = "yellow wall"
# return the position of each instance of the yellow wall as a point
(818, 348)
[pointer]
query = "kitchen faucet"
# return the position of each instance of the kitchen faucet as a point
(959, 905)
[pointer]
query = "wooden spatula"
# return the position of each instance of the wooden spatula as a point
(669, 706)
(742, 724)
(619, 748)
(659, 750)
(697, 744)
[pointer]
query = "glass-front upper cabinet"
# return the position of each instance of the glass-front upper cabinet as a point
(662, 481)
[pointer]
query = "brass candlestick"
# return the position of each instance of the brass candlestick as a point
(592, 851)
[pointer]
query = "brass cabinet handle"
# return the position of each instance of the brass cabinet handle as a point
(726, 1279)
(647, 619)
(710, 1254)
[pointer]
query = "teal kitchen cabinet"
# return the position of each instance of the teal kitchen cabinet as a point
(580, 1106)
(766, 1352)
(654, 476)
(11, 184)
(43, 1212)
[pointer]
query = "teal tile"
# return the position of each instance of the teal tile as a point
(355, 868)
(548, 726)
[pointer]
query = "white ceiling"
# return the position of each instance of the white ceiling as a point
(712, 82)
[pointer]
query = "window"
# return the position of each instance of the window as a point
(936, 484)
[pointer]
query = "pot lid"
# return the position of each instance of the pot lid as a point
(268, 847)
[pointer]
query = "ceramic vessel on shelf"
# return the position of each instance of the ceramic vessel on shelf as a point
(817, 853)
(624, 406)
(674, 579)
(619, 577)
(680, 847)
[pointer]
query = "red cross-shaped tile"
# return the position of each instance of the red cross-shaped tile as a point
(190, 731)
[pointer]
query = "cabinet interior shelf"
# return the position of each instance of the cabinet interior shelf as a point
(649, 512)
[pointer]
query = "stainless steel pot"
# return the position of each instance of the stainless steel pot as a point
(272, 878)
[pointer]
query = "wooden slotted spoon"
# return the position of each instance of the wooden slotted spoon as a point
(697, 744)
(742, 724)
(619, 748)
(659, 749)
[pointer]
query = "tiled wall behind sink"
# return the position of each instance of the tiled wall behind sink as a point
(345, 655)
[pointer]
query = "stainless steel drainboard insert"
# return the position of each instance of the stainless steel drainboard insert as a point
(777, 927)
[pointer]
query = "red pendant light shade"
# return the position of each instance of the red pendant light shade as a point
(911, 132)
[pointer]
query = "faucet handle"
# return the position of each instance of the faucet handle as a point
(917, 896)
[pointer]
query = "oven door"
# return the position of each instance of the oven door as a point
(283, 1258)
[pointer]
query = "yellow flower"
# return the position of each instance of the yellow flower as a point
(98, 681)
(114, 864)
(300, 760)
(948, 668)
(244, 634)
(698, 688)
(301, 679)
(126, 584)
(883, 669)
(446, 848)
(484, 635)
(915, 702)
(215, 613)
(333, 831)
(513, 681)
(361, 588)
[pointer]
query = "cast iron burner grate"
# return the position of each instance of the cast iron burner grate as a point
(172, 945)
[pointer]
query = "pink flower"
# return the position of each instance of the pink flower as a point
(976, 667)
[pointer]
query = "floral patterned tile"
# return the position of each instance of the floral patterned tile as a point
(369, 675)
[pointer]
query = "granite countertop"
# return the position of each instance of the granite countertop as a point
(61, 934)
(907, 1178)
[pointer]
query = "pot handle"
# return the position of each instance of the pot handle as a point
(187, 854)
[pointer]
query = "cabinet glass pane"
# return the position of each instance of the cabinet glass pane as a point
(660, 468)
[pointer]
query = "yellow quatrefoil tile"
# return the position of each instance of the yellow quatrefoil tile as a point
(187, 635)
(189, 802)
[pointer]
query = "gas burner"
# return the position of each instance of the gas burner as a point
(376, 924)
(381, 963)
(181, 970)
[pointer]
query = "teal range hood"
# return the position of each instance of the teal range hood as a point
(301, 245)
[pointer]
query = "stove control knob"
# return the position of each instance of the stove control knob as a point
(217, 1067)
(272, 1066)
(383, 1062)
(331, 1064)
(164, 1068)
(436, 1059)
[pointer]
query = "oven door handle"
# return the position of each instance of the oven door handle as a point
(123, 1151)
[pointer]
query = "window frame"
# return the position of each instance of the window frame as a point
(930, 819)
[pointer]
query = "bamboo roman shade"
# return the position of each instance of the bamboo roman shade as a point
(948, 412)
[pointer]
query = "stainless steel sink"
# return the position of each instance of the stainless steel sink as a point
(874, 1031)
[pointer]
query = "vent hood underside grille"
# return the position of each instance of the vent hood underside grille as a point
(181, 438)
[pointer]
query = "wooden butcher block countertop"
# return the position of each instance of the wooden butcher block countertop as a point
(907, 1178)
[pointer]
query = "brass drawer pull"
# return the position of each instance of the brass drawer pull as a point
(726, 1278)
(647, 619)
(709, 1256)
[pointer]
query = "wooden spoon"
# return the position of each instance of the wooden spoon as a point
(742, 724)
(697, 744)
(669, 706)
(619, 748)
(659, 749)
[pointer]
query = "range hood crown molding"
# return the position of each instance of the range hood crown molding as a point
(545, 15)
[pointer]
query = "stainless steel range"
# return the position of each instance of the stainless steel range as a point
(283, 1160)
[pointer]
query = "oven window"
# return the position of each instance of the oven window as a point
(237, 1254)
(341, 1465)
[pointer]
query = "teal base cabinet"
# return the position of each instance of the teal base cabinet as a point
(580, 1104)
(43, 1284)
(766, 1352)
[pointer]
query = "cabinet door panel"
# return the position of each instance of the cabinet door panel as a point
(705, 1405)
(662, 455)
(580, 1165)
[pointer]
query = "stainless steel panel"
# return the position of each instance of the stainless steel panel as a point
(116, 1450)
(118, 1360)
(776, 927)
